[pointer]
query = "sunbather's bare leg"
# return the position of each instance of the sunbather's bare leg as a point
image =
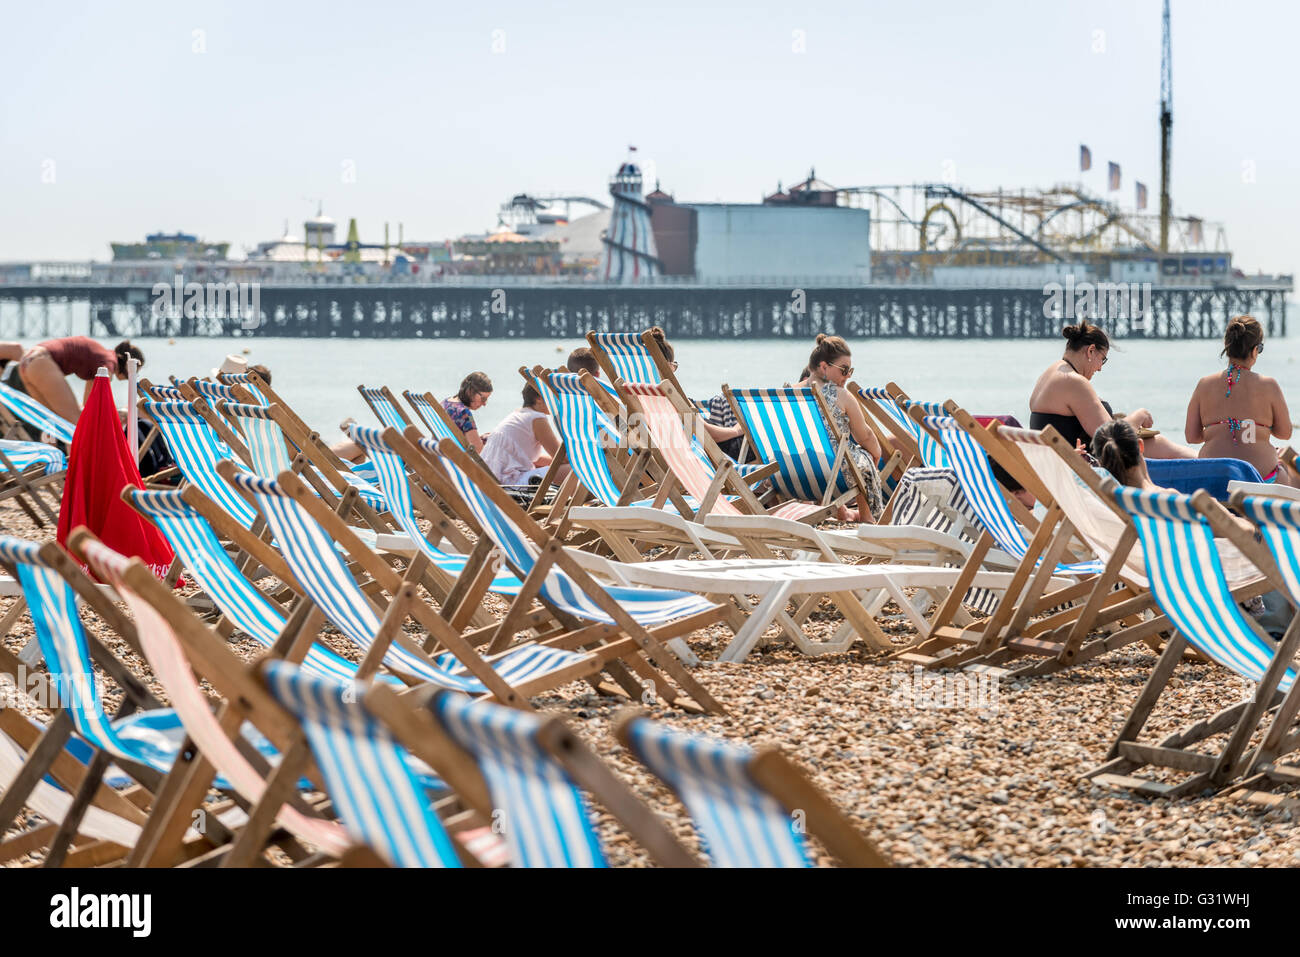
(1160, 447)
(44, 382)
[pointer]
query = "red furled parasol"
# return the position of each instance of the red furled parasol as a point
(99, 466)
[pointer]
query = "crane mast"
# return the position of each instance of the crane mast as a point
(1166, 128)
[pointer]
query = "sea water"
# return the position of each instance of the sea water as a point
(318, 377)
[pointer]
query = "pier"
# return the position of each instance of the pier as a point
(504, 307)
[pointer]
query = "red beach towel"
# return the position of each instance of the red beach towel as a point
(99, 466)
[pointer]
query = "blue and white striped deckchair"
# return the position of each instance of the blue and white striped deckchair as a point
(586, 430)
(214, 392)
(314, 560)
(162, 393)
(788, 428)
(932, 453)
(27, 409)
(149, 737)
(268, 447)
(1185, 569)
(24, 455)
(246, 380)
(197, 449)
(385, 407)
(396, 489)
(545, 820)
(644, 607)
(971, 464)
(434, 417)
(731, 793)
(211, 566)
(378, 795)
(628, 355)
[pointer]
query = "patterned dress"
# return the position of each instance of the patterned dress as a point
(460, 414)
(861, 457)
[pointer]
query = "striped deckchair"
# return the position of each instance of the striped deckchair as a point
(23, 407)
(384, 404)
(253, 383)
(751, 808)
(399, 496)
(197, 449)
(310, 535)
(370, 778)
(433, 416)
(186, 520)
(623, 355)
(666, 414)
(920, 447)
(26, 468)
(550, 573)
(267, 436)
(535, 802)
(1120, 598)
(791, 427)
(142, 739)
(945, 644)
(161, 619)
(1187, 578)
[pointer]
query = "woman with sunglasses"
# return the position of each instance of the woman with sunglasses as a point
(1236, 411)
(829, 369)
(1065, 399)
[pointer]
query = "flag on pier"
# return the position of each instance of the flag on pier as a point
(1114, 176)
(1085, 159)
(1141, 196)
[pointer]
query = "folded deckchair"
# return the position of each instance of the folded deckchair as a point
(309, 536)
(751, 808)
(551, 574)
(523, 772)
(213, 742)
(1187, 578)
(25, 469)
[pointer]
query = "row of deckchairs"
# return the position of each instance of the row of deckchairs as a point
(744, 800)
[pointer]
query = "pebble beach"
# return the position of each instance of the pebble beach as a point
(993, 782)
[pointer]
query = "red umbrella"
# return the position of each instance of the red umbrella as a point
(99, 466)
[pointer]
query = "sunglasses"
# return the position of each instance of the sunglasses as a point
(847, 370)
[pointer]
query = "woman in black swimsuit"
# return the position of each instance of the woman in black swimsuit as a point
(1065, 399)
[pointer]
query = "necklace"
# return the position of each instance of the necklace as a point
(1067, 361)
(1233, 368)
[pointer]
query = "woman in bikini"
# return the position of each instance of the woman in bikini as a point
(1065, 398)
(1237, 411)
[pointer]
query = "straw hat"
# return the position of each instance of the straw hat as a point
(232, 364)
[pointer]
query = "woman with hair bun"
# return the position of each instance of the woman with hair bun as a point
(1235, 412)
(829, 369)
(1065, 398)
(1118, 450)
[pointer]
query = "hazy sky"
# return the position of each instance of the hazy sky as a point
(439, 112)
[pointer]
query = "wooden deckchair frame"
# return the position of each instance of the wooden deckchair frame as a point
(659, 663)
(410, 719)
(1239, 721)
(781, 778)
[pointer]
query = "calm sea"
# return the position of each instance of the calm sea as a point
(319, 376)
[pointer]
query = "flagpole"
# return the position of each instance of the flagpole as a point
(132, 411)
